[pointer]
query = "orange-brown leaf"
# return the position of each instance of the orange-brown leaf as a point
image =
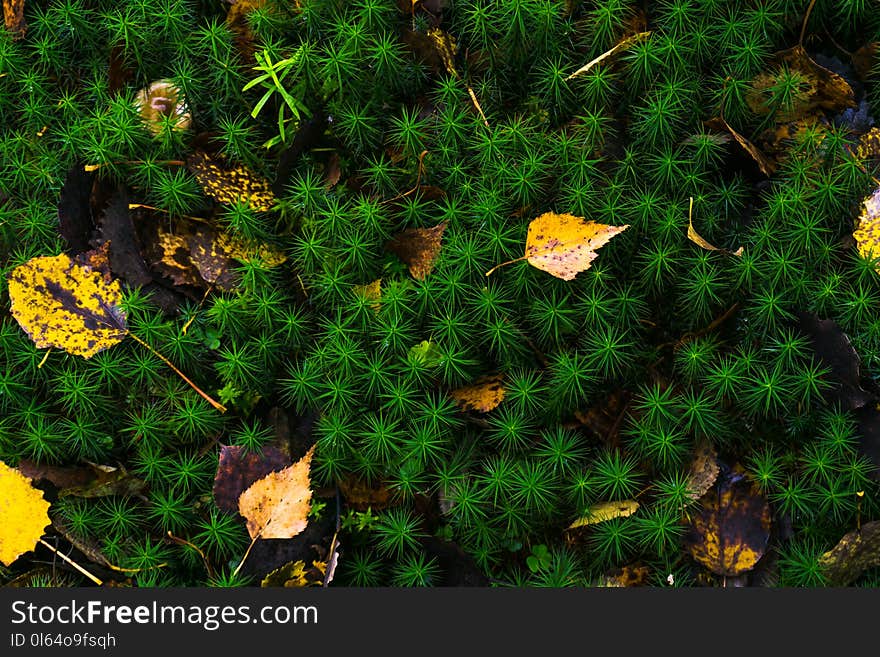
(13, 17)
(482, 395)
(418, 248)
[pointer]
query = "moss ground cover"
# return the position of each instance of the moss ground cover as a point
(295, 142)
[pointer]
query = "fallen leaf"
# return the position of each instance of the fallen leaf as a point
(426, 353)
(277, 505)
(624, 43)
(856, 552)
(361, 495)
(61, 304)
(13, 18)
(90, 480)
(25, 514)
(418, 248)
(564, 245)
(729, 532)
(822, 89)
(602, 511)
(230, 184)
(869, 144)
(195, 253)
(482, 395)
(867, 232)
(332, 171)
(74, 209)
(625, 577)
(371, 292)
(162, 101)
(704, 470)
(238, 468)
(835, 351)
(700, 241)
(765, 164)
(296, 575)
(863, 60)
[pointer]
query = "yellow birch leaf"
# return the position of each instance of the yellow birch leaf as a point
(25, 514)
(60, 303)
(277, 505)
(564, 245)
(602, 511)
(482, 395)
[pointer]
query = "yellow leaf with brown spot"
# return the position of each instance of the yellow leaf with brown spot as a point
(856, 552)
(25, 514)
(482, 395)
(62, 304)
(418, 248)
(564, 245)
(603, 511)
(230, 184)
(704, 470)
(729, 532)
(277, 505)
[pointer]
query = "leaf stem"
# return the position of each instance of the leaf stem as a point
(220, 407)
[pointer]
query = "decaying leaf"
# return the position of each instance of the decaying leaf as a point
(625, 577)
(730, 530)
(820, 88)
(624, 43)
(863, 59)
(854, 553)
(482, 395)
(602, 511)
(564, 245)
(867, 232)
(230, 184)
(835, 351)
(25, 514)
(162, 102)
(238, 468)
(75, 221)
(13, 18)
(765, 164)
(704, 470)
(699, 240)
(418, 248)
(869, 144)
(360, 495)
(196, 253)
(296, 574)
(372, 292)
(62, 304)
(277, 505)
